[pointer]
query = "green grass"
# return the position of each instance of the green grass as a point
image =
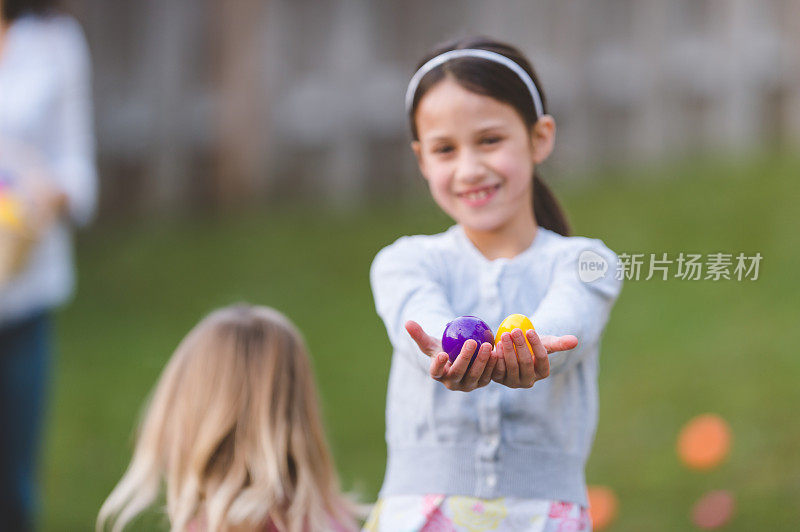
(672, 350)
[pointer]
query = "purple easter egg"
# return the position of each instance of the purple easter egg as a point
(462, 329)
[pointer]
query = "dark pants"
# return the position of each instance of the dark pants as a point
(24, 361)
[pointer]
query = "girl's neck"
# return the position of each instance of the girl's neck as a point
(504, 242)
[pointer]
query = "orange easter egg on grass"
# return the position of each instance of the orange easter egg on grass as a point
(704, 442)
(603, 506)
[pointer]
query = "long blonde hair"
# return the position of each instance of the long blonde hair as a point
(234, 430)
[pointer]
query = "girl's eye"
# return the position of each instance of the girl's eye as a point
(490, 140)
(443, 149)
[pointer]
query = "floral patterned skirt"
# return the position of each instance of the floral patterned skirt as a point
(440, 513)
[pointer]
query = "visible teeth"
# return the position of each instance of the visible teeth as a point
(479, 195)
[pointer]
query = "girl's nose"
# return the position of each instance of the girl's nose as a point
(469, 167)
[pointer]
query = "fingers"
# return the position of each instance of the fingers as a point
(517, 361)
(554, 344)
(524, 357)
(476, 371)
(510, 358)
(499, 374)
(426, 343)
(541, 360)
(460, 375)
(488, 372)
(438, 366)
(459, 368)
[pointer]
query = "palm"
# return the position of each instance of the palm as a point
(430, 345)
(510, 362)
(426, 343)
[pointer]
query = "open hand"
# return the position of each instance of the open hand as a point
(458, 375)
(517, 367)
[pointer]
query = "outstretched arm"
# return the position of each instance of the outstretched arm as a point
(574, 306)
(406, 287)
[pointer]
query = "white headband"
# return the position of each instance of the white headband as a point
(482, 54)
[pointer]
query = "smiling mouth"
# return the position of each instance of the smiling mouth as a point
(478, 196)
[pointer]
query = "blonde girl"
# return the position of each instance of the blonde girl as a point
(233, 430)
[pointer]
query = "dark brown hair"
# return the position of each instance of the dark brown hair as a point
(502, 84)
(13, 9)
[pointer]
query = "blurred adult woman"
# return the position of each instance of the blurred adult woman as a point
(45, 116)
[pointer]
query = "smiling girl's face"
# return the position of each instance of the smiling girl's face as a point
(478, 157)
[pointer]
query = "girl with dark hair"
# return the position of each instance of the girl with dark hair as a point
(47, 150)
(506, 455)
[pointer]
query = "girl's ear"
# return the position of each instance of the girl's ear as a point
(543, 138)
(417, 149)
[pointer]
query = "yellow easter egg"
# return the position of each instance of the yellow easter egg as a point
(514, 321)
(10, 215)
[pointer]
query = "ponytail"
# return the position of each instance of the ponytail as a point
(546, 208)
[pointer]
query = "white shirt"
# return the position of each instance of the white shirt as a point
(494, 441)
(45, 104)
